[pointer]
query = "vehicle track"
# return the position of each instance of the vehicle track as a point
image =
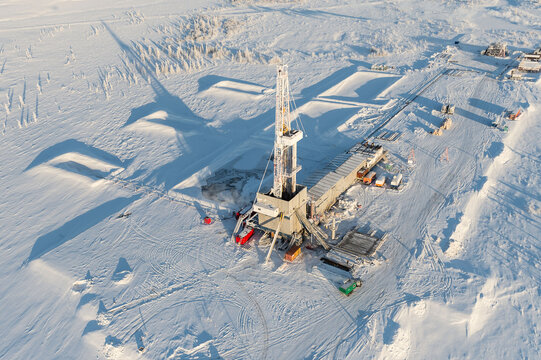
(255, 303)
(438, 266)
(202, 256)
(404, 102)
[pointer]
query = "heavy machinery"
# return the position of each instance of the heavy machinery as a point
(513, 116)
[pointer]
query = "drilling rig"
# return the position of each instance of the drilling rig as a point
(282, 210)
(285, 141)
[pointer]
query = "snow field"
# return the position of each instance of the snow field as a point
(124, 124)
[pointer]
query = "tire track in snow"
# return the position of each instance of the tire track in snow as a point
(243, 328)
(439, 267)
(265, 346)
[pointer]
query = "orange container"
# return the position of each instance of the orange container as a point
(368, 178)
(292, 253)
(361, 173)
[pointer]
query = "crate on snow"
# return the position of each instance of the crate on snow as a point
(292, 253)
(349, 285)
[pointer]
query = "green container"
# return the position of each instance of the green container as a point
(348, 287)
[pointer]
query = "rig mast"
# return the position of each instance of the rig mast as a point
(285, 141)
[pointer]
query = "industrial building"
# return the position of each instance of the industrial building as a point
(326, 184)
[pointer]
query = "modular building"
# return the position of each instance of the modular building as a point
(328, 183)
(529, 66)
(397, 180)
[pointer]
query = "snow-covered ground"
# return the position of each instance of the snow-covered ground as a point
(124, 123)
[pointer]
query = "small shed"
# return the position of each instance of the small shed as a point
(397, 180)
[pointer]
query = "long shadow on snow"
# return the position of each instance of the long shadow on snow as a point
(467, 267)
(471, 48)
(429, 103)
(521, 190)
(202, 144)
(206, 82)
(472, 116)
(73, 145)
(369, 91)
(439, 41)
(340, 75)
(486, 106)
(495, 149)
(434, 105)
(77, 226)
(198, 135)
(428, 117)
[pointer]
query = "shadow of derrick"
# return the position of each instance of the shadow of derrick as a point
(206, 149)
(193, 133)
